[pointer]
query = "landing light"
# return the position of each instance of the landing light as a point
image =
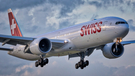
(65, 41)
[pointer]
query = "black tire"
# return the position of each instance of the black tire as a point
(76, 66)
(46, 61)
(79, 64)
(82, 66)
(36, 64)
(41, 65)
(87, 62)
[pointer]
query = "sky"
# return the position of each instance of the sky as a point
(41, 16)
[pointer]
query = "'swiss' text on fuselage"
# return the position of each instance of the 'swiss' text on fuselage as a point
(91, 28)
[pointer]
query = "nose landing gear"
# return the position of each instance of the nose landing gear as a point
(117, 41)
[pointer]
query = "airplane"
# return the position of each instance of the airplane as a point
(80, 40)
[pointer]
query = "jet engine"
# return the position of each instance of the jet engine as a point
(113, 50)
(40, 46)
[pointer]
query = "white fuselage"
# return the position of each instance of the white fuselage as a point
(81, 37)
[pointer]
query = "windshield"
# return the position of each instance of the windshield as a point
(121, 22)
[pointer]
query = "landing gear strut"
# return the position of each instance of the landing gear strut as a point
(82, 63)
(118, 40)
(41, 62)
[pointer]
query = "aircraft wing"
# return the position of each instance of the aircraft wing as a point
(127, 42)
(13, 40)
(87, 53)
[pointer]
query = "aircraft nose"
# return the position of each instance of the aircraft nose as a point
(124, 29)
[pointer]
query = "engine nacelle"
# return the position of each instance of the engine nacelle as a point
(40, 46)
(111, 50)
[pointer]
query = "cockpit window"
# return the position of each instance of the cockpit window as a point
(120, 22)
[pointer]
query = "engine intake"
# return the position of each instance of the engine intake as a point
(40, 46)
(113, 50)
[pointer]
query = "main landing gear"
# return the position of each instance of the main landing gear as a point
(82, 63)
(41, 62)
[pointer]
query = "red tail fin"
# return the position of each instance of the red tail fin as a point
(15, 31)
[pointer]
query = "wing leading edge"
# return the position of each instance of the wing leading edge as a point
(14, 40)
(127, 42)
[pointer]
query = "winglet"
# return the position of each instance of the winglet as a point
(15, 30)
(9, 10)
